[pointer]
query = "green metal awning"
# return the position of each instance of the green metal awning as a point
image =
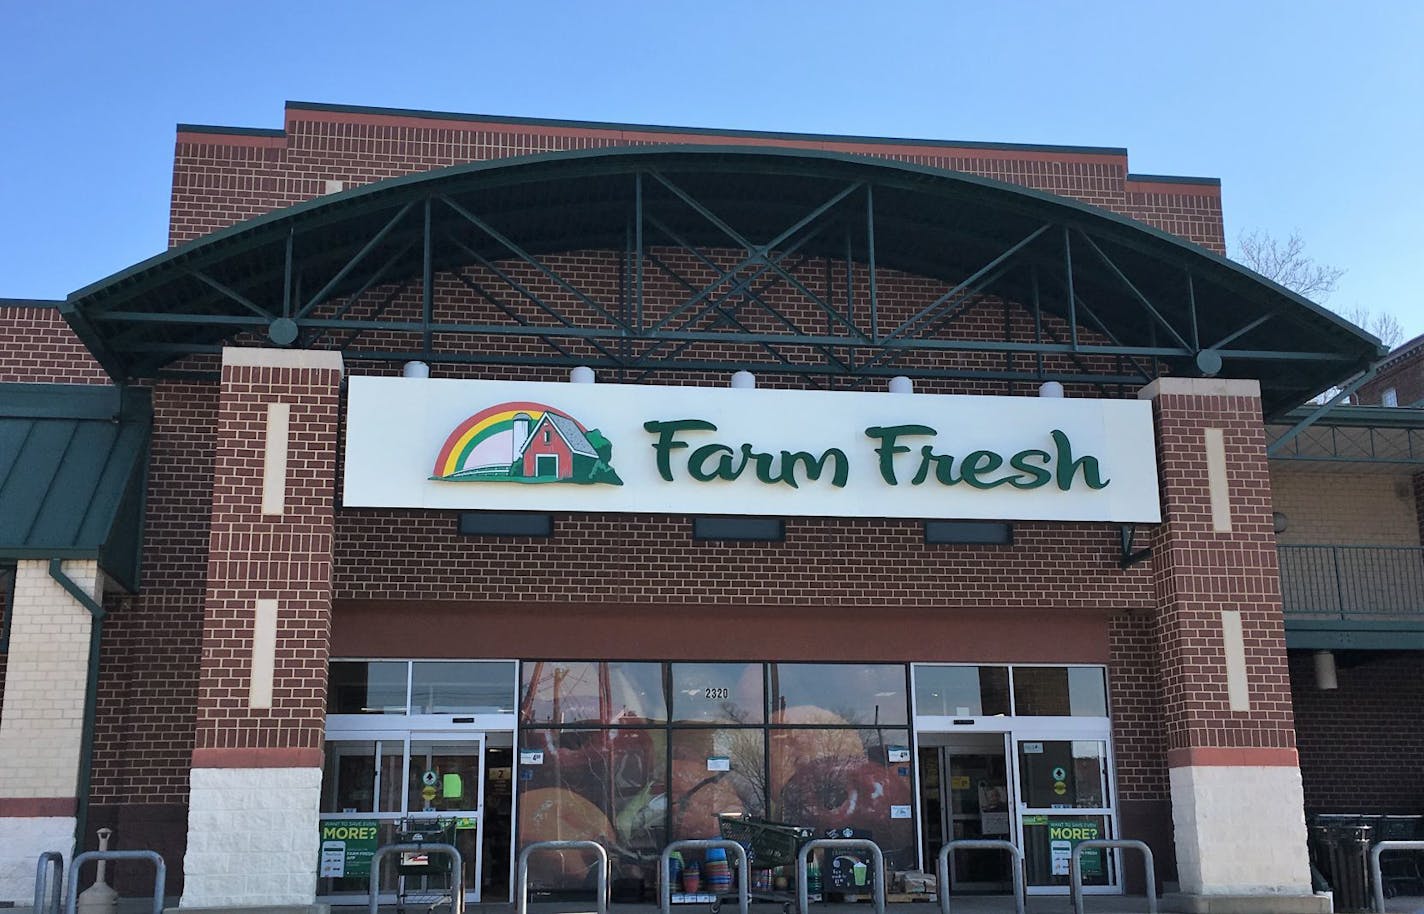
(73, 474)
(703, 240)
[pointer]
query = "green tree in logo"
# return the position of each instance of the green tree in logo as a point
(602, 469)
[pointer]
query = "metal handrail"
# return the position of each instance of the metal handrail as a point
(160, 876)
(1075, 874)
(744, 895)
(942, 867)
(1349, 582)
(522, 879)
(803, 894)
(1375, 873)
(42, 873)
(457, 870)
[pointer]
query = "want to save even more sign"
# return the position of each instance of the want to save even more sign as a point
(492, 445)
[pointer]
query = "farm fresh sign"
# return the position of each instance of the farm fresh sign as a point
(473, 445)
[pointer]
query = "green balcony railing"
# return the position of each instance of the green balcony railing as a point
(1352, 583)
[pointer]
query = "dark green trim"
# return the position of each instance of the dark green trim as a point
(30, 303)
(230, 131)
(1356, 636)
(1175, 179)
(60, 401)
(85, 775)
(8, 572)
(695, 131)
(1361, 416)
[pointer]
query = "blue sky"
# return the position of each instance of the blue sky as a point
(1311, 113)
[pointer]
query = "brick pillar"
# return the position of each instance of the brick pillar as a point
(1237, 805)
(42, 723)
(252, 821)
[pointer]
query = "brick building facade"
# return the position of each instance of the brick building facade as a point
(238, 681)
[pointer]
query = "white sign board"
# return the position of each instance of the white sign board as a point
(508, 446)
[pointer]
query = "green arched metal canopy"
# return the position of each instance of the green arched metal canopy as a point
(1099, 298)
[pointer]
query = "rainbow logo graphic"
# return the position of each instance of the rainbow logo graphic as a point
(525, 442)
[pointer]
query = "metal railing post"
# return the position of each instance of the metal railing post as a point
(50, 861)
(1375, 873)
(942, 868)
(521, 903)
(160, 876)
(457, 872)
(803, 895)
(1075, 874)
(744, 894)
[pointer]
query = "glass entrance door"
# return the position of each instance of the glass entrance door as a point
(445, 784)
(1064, 799)
(373, 789)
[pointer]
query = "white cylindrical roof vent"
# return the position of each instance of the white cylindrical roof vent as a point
(1051, 389)
(581, 375)
(743, 380)
(415, 370)
(900, 385)
(1325, 678)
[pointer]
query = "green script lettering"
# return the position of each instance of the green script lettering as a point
(667, 443)
(1068, 467)
(887, 449)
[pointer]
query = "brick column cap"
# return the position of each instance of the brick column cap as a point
(256, 357)
(1200, 387)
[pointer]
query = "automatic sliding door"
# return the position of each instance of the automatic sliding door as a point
(445, 784)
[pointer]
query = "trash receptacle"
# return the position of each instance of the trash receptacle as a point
(1344, 851)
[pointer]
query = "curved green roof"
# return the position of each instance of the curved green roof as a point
(1140, 294)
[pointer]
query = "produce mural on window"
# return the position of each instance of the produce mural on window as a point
(634, 755)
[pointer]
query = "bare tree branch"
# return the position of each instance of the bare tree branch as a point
(1288, 264)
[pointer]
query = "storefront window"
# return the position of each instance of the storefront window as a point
(606, 785)
(1056, 691)
(846, 778)
(474, 687)
(839, 694)
(718, 693)
(573, 693)
(962, 691)
(367, 687)
(715, 771)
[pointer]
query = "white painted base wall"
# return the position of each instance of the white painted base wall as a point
(252, 837)
(1240, 830)
(21, 843)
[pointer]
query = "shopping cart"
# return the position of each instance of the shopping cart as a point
(424, 879)
(768, 845)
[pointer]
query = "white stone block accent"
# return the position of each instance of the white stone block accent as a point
(1240, 830)
(43, 716)
(21, 843)
(253, 837)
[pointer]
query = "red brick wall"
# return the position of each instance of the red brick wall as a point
(220, 179)
(37, 347)
(1200, 572)
(1190, 211)
(285, 557)
(1361, 744)
(1404, 372)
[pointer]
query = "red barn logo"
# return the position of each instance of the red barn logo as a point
(525, 442)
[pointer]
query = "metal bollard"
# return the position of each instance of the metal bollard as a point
(160, 878)
(803, 899)
(521, 904)
(457, 871)
(744, 897)
(1075, 875)
(942, 870)
(55, 861)
(1375, 873)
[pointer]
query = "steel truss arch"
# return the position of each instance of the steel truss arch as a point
(725, 258)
